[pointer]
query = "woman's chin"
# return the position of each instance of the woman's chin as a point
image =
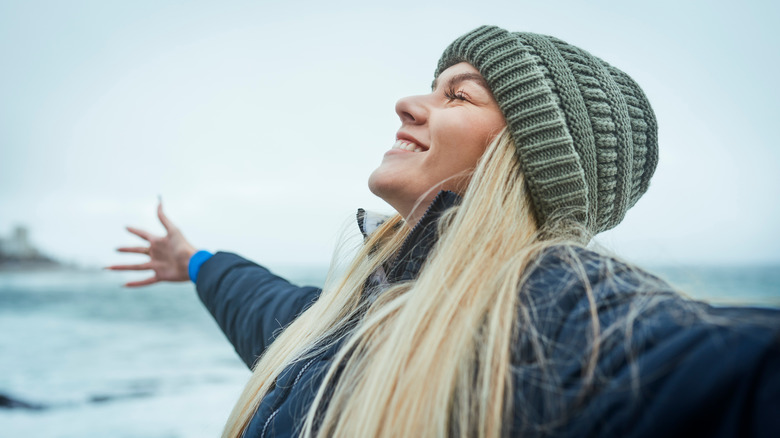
(374, 183)
(383, 182)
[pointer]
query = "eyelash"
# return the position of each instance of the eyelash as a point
(451, 94)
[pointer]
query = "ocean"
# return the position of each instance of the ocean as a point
(81, 356)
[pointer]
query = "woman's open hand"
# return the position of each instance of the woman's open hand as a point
(169, 256)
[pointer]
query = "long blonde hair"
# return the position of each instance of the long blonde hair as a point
(429, 357)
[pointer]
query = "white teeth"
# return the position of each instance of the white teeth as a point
(408, 146)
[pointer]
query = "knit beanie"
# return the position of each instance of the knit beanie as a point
(585, 134)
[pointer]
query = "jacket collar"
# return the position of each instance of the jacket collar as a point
(415, 249)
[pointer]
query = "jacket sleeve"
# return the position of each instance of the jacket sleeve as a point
(766, 417)
(714, 380)
(250, 304)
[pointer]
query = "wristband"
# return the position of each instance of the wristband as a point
(196, 261)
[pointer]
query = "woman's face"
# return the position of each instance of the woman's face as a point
(443, 134)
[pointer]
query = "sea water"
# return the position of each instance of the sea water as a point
(84, 357)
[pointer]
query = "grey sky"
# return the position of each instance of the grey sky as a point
(259, 124)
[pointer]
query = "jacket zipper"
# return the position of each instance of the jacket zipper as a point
(414, 229)
(297, 378)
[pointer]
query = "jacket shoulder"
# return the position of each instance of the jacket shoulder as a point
(617, 352)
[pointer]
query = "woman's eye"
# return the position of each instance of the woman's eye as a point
(451, 94)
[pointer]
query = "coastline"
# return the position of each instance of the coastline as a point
(46, 265)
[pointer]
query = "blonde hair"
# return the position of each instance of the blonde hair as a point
(429, 357)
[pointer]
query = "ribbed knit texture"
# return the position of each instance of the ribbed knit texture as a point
(584, 130)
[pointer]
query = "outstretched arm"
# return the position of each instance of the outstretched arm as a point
(250, 304)
(169, 255)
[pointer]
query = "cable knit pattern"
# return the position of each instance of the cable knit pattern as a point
(584, 131)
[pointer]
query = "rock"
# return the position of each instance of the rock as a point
(7, 402)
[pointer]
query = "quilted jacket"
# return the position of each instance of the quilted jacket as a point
(665, 367)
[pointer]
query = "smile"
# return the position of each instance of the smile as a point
(407, 145)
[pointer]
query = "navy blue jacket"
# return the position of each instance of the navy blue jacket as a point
(666, 366)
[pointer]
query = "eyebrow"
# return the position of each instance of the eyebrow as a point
(457, 79)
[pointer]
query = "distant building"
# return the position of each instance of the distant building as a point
(18, 251)
(18, 246)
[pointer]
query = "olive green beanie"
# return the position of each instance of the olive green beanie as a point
(585, 134)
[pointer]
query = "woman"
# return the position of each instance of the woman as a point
(477, 311)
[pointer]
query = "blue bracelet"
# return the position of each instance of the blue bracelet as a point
(196, 261)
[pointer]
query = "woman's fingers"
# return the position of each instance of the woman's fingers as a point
(147, 282)
(139, 267)
(168, 254)
(167, 259)
(141, 233)
(163, 218)
(134, 249)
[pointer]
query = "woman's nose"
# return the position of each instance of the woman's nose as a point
(412, 110)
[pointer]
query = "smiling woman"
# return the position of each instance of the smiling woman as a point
(442, 136)
(477, 310)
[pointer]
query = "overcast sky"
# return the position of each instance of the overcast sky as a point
(260, 123)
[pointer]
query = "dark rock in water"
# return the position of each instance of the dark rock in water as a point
(102, 398)
(7, 402)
